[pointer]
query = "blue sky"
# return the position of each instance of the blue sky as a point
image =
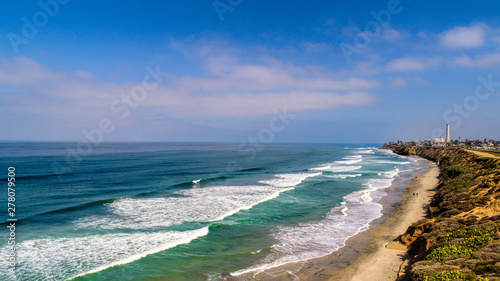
(229, 70)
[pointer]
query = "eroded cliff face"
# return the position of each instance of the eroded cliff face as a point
(460, 239)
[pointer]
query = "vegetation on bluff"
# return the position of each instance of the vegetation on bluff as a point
(460, 239)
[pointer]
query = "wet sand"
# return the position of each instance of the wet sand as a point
(387, 259)
(374, 254)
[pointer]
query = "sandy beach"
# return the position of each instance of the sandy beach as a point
(374, 254)
(387, 259)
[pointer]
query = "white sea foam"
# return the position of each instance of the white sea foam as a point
(343, 176)
(316, 239)
(256, 252)
(322, 168)
(335, 168)
(288, 180)
(349, 162)
(320, 238)
(391, 174)
(75, 256)
(63, 258)
(193, 205)
(343, 210)
(393, 162)
(353, 157)
(343, 165)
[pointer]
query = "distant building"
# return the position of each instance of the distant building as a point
(440, 140)
(447, 132)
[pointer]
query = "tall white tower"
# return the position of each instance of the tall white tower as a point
(447, 132)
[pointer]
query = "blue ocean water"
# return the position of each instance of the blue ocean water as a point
(169, 211)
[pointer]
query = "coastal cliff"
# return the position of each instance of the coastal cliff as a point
(460, 238)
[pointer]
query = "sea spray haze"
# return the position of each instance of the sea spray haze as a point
(135, 211)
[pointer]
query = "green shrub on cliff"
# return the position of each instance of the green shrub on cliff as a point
(464, 248)
(462, 233)
(462, 183)
(454, 170)
(450, 250)
(451, 276)
(477, 241)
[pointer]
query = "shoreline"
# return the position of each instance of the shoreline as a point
(374, 254)
(386, 257)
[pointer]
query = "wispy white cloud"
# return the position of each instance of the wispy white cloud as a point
(393, 35)
(399, 82)
(483, 61)
(244, 104)
(260, 89)
(366, 68)
(11, 70)
(81, 87)
(253, 77)
(462, 37)
(413, 64)
(229, 88)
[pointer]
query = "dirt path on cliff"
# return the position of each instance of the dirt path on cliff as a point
(387, 259)
(482, 154)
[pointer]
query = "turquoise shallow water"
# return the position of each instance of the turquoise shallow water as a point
(164, 211)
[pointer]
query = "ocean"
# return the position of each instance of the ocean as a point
(177, 211)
